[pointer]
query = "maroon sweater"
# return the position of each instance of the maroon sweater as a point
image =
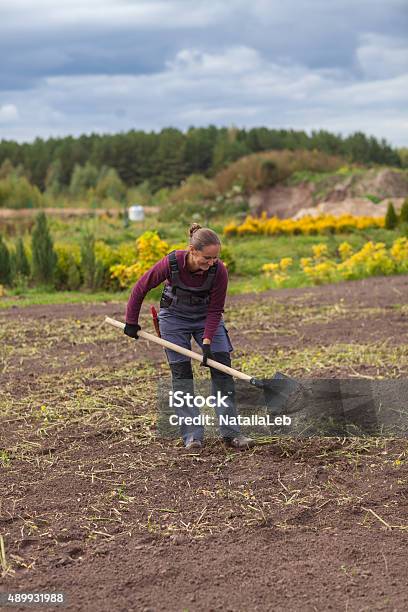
(161, 272)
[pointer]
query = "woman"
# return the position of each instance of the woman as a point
(191, 305)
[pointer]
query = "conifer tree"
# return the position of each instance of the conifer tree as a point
(5, 264)
(403, 218)
(21, 262)
(391, 218)
(88, 259)
(44, 256)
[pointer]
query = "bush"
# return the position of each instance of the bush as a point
(5, 264)
(373, 259)
(44, 258)
(17, 192)
(82, 179)
(403, 218)
(110, 185)
(21, 261)
(92, 270)
(324, 224)
(391, 219)
(68, 274)
(150, 249)
(195, 188)
(106, 257)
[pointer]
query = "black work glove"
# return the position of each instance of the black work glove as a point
(207, 354)
(131, 330)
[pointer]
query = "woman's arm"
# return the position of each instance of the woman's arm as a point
(217, 301)
(150, 279)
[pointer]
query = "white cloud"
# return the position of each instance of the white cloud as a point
(8, 113)
(382, 57)
(152, 14)
(234, 60)
(237, 85)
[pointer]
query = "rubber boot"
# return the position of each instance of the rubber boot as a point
(224, 383)
(182, 380)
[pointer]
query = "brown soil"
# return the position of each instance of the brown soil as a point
(282, 201)
(119, 519)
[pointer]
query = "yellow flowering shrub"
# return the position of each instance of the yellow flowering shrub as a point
(307, 225)
(399, 252)
(273, 269)
(345, 250)
(149, 249)
(320, 251)
(373, 259)
(278, 270)
(321, 272)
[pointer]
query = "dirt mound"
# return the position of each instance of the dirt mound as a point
(385, 183)
(282, 201)
(334, 194)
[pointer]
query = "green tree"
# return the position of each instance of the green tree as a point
(21, 262)
(43, 254)
(5, 263)
(403, 218)
(83, 178)
(198, 149)
(6, 169)
(228, 149)
(88, 259)
(17, 192)
(403, 155)
(169, 159)
(110, 185)
(92, 270)
(53, 184)
(391, 219)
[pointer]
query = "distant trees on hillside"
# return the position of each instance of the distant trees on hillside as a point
(164, 159)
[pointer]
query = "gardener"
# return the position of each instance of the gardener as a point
(191, 305)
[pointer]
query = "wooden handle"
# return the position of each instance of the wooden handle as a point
(182, 350)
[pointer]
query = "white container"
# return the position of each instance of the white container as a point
(136, 213)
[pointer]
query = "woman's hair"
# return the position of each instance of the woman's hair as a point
(201, 237)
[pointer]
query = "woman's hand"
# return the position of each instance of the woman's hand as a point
(131, 330)
(207, 354)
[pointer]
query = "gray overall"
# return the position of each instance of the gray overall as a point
(183, 313)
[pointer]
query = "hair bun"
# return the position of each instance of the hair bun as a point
(193, 228)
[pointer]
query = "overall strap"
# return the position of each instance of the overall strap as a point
(173, 262)
(174, 270)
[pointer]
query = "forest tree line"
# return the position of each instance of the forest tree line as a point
(165, 158)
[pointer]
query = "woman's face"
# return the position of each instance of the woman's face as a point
(205, 258)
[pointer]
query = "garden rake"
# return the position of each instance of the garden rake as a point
(282, 393)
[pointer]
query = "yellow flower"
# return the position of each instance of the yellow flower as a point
(285, 263)
(345, 250)
(320, 251)
(269, 268)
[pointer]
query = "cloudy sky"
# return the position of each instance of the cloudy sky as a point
(82, 66)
